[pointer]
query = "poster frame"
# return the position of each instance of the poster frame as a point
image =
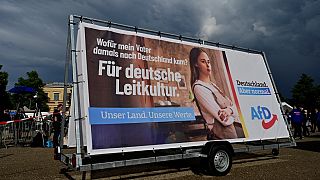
(167, 36)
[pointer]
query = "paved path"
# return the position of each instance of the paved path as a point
(301, 162)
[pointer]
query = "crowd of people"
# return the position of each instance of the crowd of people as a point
(54, 128)
(303, 121)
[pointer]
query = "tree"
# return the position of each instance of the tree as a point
(282, 98)
(27, 99)
(304, 92)
(4, 96)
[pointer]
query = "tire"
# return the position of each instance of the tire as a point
(219, 160)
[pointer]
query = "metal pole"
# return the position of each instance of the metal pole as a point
(76, 95)
(277, 95)
(65, 90)
(15, 133)
(180, 37)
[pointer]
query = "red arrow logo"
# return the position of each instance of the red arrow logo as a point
(267, 125)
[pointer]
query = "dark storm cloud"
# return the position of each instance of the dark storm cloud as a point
(33, 33)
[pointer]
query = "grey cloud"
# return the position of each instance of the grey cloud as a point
(33, 33)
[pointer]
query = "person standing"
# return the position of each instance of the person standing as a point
(313, 117)
(296, 120)
(318, 119)
(305, 122)
(57, 119)
(6, 116)
(215, 107)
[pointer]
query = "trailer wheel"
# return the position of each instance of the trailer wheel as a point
(219, 160)
(275, 152)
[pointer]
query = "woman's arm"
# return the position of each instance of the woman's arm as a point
(208, 104)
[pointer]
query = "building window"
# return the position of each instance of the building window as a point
(56, 96)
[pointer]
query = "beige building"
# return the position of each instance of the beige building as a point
(54, 92)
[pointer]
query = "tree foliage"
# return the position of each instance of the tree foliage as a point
(27, 99)
(4, 96)
(305, 93)
(283, 98)
(3, 81)
(5, 102)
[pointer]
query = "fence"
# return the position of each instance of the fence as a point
(22, 132)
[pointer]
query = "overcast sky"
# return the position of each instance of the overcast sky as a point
(33, 33)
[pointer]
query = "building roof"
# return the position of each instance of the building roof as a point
(56, 85)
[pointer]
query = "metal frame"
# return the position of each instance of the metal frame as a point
(278, 97)
(71, 55)
(195, 152)
(184, 153)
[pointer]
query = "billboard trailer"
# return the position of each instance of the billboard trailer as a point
(146, 96)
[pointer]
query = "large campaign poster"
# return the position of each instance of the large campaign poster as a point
(259, 107)
(144, 92)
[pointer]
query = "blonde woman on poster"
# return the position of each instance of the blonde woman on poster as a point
(216, 109)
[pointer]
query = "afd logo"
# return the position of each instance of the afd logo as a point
(264, 114)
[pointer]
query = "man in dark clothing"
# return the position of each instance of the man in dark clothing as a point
(314, 120)
(6, 116)
(296, 120)
(305, 120)
(318, 119)
(57, 119)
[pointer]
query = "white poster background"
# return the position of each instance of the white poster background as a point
(74, 108)
(251, 67)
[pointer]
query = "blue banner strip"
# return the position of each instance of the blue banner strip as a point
(139, 115)
(255, 91)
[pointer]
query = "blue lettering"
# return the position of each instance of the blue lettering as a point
(266, 113)
(255, 114)
(260, 112)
